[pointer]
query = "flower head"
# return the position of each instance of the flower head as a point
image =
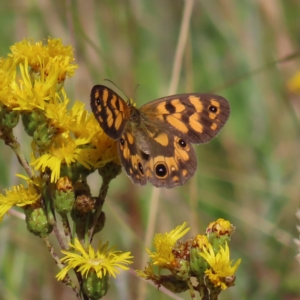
(220, 264)
(19, 196)
(65, 150)
(7, 77)
(220, 227)
(163, 243)
(103, 261)
(41, 57)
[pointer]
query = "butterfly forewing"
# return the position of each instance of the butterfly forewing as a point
(111, 111)
(194, 117)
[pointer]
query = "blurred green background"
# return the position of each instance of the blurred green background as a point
(249, 174)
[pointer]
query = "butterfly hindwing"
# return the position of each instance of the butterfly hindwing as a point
(110, 110)
(130, 155)
(159, 157)
(175, 167)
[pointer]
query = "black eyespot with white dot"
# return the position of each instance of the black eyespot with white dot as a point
(182, 144)
(161, 170)
(213, 109)
(140, 168)
(122, 141)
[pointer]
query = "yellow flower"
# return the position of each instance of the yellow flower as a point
(40, 57)
(78, 121)
(64, 150)
(57, 113)
(220, 265)
(7, 77)
(30, 95)
(163, 243)
(103, 261)
(19, 196)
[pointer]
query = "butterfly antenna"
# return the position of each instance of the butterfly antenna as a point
(117, 87)
(136, 88)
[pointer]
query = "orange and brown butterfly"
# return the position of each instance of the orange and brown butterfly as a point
(155, 141)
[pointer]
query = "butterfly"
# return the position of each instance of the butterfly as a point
(155, 141)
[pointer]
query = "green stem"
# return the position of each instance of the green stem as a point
(59, 239)
(12, 142)
(86, 229)
(99, 204)
(66, 227)
(48, 198)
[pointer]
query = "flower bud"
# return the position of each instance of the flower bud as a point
(31, 120)
(8, 118)
(37, 221)
(64, 197)
(94, 287)
(43, 134)
(198, 263)
(182, 271)
(84, 203)
(219, 232)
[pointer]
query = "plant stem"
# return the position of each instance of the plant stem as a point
(99, 204)
(12, 142)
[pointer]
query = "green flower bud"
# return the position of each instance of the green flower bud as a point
(8, 118)
(64, 201)
(43, 134)
(183, 271)
(11, 119)
(198, 263)
(37, 222)
(64, 197)
(31, 120)
(219, 232)
(94, 287)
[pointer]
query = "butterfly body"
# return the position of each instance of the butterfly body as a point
(155, 141)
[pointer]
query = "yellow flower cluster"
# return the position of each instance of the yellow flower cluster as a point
(205, 256)
(65, 140)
